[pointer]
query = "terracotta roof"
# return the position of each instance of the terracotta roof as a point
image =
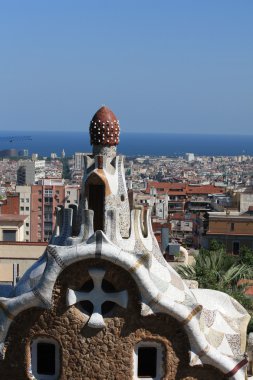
(104, 128)
(205, 189)
(188, 218)
(183, 188)
(249, 289)
(167, 185)
(158, 226)
(243, 281)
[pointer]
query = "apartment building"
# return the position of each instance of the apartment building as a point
(183, 228)
(39, 202)
(181, 196)
(232, 228)
(44, 200)
(29, 172)
(24, 193)
(79, 160)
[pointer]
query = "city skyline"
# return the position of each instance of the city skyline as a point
(183, 67)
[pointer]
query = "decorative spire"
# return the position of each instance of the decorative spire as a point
(104, 128)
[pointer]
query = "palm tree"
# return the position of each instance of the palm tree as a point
(214, 269)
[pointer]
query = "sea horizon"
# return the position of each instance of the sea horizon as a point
(132, 143)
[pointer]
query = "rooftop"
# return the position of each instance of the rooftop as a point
(12, 218)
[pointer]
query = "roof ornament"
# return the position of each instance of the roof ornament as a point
(109, 124)
(97, 296)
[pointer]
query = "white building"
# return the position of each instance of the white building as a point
(71, 194)
(12, 227)
(79, 160)
(25, 207)
(29, 172)
(189, 157)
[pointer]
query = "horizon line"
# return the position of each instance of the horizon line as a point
(131, 132)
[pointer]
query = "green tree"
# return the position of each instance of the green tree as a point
(246, 256)
(214, 269)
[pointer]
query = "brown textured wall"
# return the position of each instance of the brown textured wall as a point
(224, 227)
(10, 205)
(99, 354)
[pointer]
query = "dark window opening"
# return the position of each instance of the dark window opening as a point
(236, 247)
(147, 360)
(107, 306)
(45, 359)
(108, 286)
(87, 286)
(87, 307)
(232, 227)
(9, 235)
(96, 203)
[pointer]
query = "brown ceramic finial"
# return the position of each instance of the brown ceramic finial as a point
(104, 128)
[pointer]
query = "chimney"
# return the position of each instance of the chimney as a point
(165, 238)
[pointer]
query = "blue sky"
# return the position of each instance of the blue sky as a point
(165, 66)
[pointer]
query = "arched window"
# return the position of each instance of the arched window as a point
(45, 359)
(148, 356)
(95, 192)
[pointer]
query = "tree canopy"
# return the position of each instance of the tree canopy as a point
(214, 269)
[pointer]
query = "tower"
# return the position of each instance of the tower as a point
(104, 186)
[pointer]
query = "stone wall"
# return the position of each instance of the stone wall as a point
(99, 354)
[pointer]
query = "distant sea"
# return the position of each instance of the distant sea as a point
(132, 144)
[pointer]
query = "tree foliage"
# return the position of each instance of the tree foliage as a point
(214, 269)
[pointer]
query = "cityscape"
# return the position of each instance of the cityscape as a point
(184, 193)
(192, 202)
